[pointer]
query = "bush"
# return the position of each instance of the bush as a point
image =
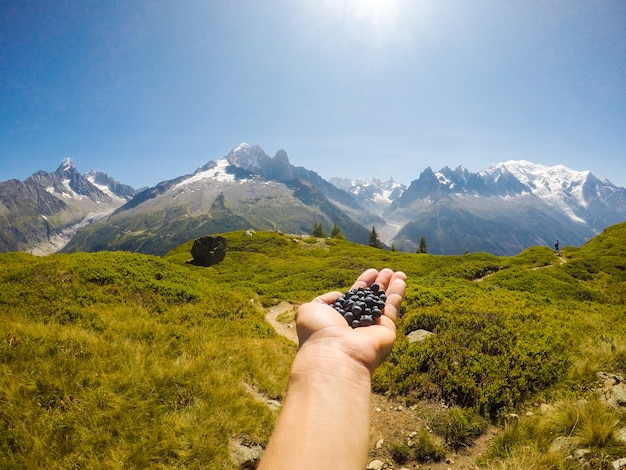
(426, 449)
(400, 453)
(459, 427)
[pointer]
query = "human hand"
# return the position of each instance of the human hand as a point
(320, 326)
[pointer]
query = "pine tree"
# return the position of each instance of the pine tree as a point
(318, 230)
(336, 232)
(374, 240)
(423, 248)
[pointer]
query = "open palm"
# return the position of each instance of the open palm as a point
(319, 325)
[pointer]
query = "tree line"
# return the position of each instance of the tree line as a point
(373, 239)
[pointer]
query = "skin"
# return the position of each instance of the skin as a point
(324, 422)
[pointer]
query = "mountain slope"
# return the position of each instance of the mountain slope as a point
(246, 189)
(44, 211)
(504, 209)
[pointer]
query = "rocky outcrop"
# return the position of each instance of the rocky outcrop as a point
(208, 251)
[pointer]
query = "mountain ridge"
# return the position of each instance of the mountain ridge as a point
(502, 209)
(43, 212)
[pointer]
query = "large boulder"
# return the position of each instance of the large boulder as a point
(207, 251)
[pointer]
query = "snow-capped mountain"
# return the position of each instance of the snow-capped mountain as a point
(376, 194)
(570, 191)
(504, 208)
(42, 213)
(244, 189)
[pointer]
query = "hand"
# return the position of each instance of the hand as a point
(320, 326)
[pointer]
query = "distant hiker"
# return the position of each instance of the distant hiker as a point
(556, 247)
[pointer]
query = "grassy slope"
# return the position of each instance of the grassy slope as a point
(133, 361)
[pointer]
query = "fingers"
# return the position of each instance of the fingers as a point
(394, 284)
(367, 278)
(395, 294)
(327, 298)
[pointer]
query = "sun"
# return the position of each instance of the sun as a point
(373, 19)
(375, 11)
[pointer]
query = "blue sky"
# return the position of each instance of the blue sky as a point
(150, 90)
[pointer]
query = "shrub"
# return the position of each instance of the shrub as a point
(426, 449)
(459, 427)
(400, 453)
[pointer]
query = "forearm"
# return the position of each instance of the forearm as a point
(325, 416)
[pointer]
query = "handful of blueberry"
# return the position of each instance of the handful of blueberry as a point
(361, 306)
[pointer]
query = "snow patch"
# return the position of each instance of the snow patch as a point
(217, 173)
(71, 194)
(105, 189)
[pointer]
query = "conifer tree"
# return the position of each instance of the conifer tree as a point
(423, 248)
(374, 240)
(318, 230)
(336, 232)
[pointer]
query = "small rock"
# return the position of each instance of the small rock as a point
(419, 335)
(619, 464)
(580, 454)
(376, 465)
(413, 434)
(378, 410)
(246, 456)
(616, 396)
(380, 443)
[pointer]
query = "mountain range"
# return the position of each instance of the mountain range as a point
(42, 213)
(501, 210)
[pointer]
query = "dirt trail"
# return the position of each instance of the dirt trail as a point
(286, 329)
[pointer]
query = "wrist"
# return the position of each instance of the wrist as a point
(323, 361)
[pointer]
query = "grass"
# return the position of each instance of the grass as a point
(551, 438)
(123, 360)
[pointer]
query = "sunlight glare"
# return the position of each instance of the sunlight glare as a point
(368, 19)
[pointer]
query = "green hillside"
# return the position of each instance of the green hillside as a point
(121, 360)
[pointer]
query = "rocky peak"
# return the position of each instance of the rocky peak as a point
(66, 167)
(253, 159)
(109, 185)
(281, 157)
(248, 157)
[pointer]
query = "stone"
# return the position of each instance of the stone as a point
(245, 456)
(208, 251)
(418, 335)
(615, 396)
(619, 464)
(376, 465)
(380, 443)
(563, 445)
